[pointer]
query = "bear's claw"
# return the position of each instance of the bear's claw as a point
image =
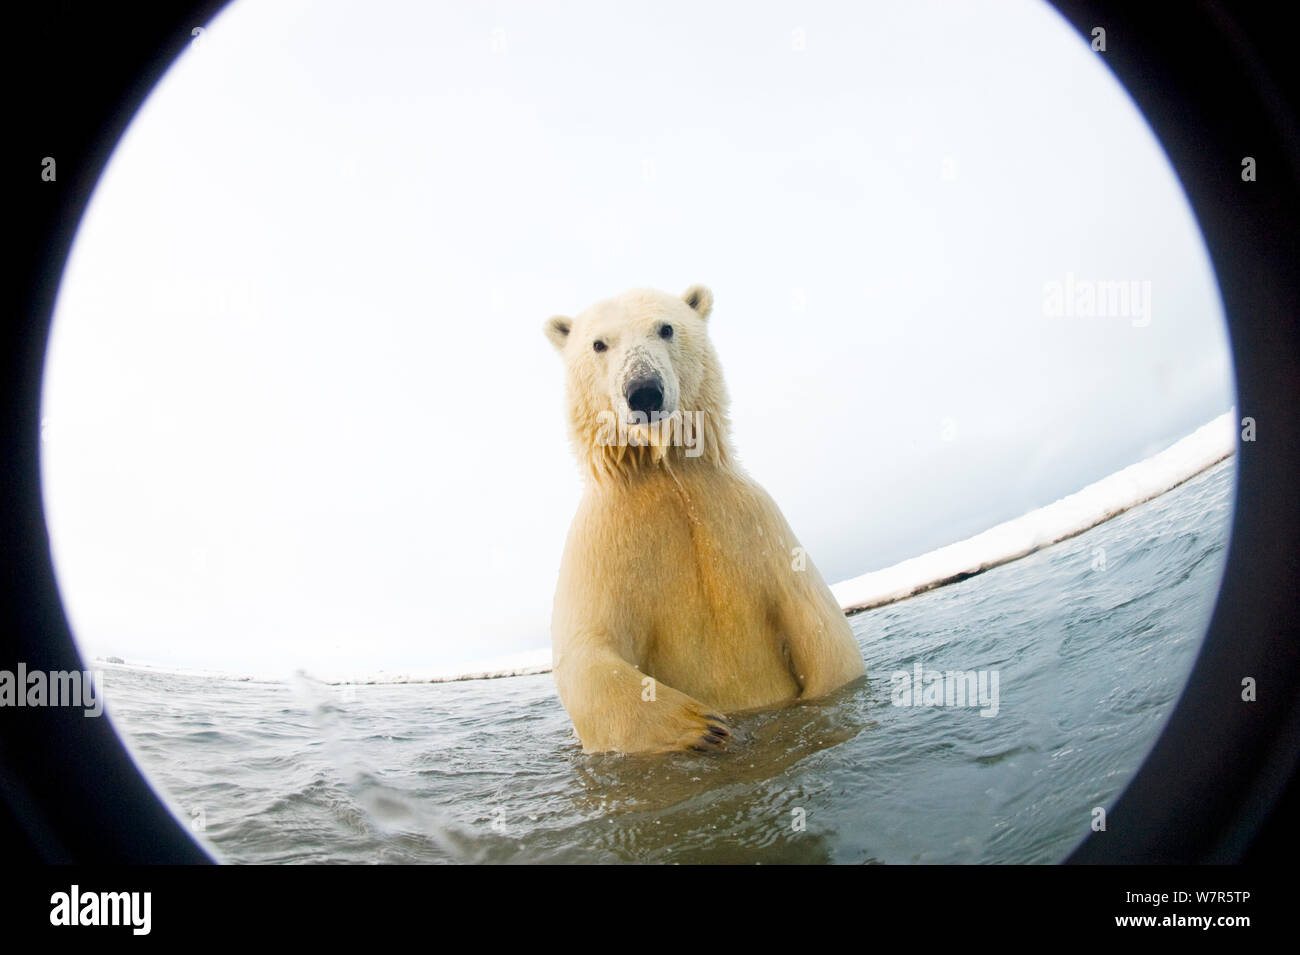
(715, 737)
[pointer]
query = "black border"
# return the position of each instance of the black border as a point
(1220, 785)
(1209, 81)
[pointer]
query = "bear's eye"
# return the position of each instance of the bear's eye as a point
(598, 345)
(666, 332)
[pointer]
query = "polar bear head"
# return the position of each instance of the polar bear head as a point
(642, 380)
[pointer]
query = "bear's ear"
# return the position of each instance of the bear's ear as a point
(699, 298)
(557, 330)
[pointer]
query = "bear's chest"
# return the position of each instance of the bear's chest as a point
(698, 581)
(709, 544)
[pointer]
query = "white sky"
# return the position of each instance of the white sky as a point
(299, 410)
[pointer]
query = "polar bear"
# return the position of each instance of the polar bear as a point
(683, 594)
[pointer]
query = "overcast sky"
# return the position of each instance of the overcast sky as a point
(299, 410)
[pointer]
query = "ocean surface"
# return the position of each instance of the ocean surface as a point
(1089, 641)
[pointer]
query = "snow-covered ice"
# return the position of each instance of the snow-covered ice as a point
(1065, 518)
(1005, 542)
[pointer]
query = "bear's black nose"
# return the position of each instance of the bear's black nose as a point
(645, 395)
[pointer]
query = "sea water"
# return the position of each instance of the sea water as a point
(1087, 643)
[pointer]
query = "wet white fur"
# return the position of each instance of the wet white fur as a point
(682, 592)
